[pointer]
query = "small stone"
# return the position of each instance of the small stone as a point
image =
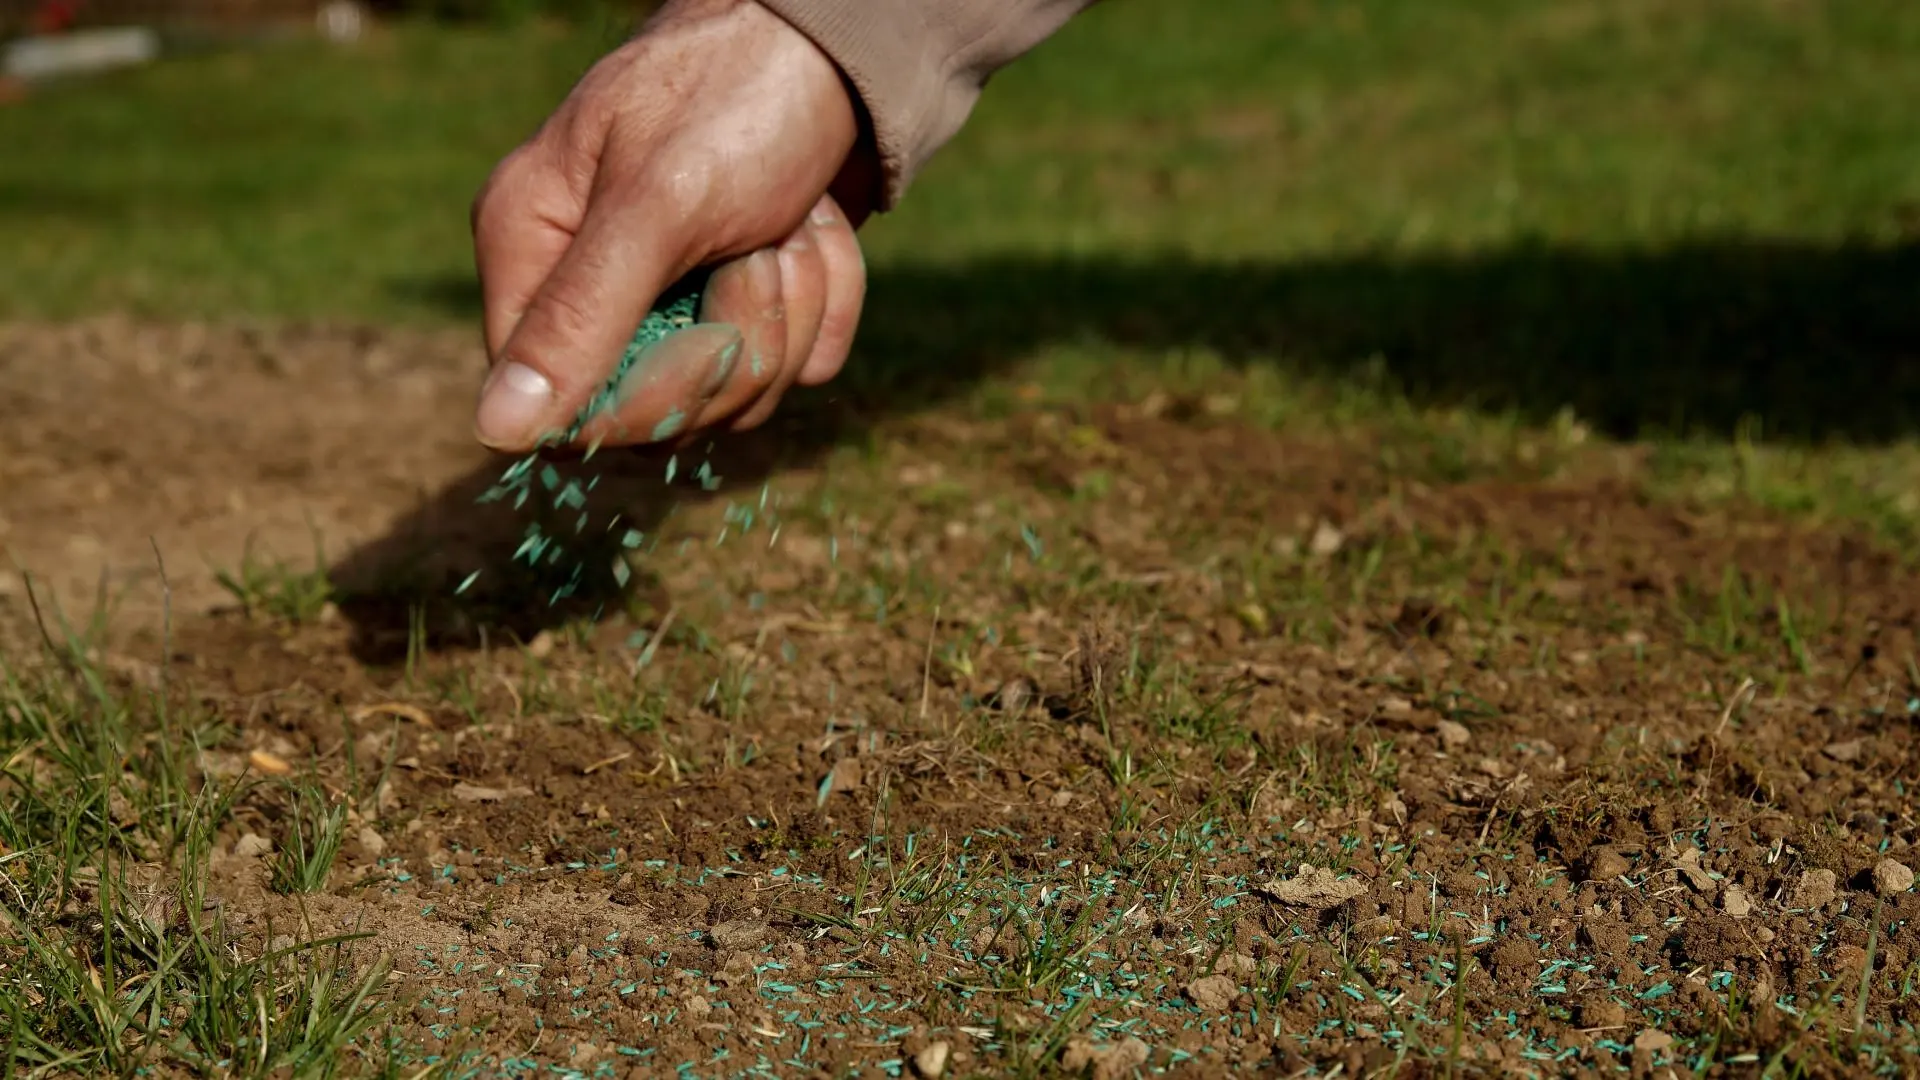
(541, 646)
(931, 1061)
(1846, 752)
(372, 843)
(1891, 878)
(1453, 734)
(1652, 1040)
(1014, 696)
(252, 846)
(1326, 540)
(1697, 875)
(1214, 993)
(1736, 902)
(1605, 864)
(281, 942)
(477, 793)
(1813, 891)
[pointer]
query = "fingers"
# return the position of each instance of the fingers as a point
(846, 276)
(803, 290)
(580, 319)
(668, 386)
(770, 320)
(519, 232)
(798, 314)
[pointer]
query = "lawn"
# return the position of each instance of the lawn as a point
(1376, 536)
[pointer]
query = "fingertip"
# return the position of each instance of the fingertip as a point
(514, 404)
(844, 274)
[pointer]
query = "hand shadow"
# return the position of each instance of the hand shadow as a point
(1819, 342)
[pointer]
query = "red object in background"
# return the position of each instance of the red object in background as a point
(54, 16)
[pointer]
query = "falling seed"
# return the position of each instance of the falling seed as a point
(467, 583)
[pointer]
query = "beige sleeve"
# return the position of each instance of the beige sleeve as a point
(919, 65)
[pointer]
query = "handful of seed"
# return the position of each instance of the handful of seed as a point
(538, 477)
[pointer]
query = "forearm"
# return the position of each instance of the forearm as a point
(919, 65)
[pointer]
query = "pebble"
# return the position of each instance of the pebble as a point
(1845, 752)
(1736, 902)
(252, 846)
(1453, 734)
(1214, 993)
(1891, 878)
(372, 843)
(931, 1061)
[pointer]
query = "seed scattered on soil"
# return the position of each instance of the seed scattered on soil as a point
(271, 764)
(531, 476)
(1891, 878)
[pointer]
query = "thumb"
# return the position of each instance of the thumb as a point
(578, 324)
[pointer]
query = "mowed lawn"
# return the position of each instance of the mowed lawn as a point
(1373, 536)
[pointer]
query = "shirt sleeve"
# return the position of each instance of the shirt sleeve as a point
(919, 65)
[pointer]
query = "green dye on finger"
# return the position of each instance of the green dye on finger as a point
(669, 425)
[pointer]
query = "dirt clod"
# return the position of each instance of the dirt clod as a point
(1813, 890)
(252, 846)
(1314, 887)
(1891, 878)
(1605, 864)
(1109, 1061)
(1213, 993)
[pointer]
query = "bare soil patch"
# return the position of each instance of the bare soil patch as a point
(1089, 739)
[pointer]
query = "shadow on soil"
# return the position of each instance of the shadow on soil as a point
(1820, 342)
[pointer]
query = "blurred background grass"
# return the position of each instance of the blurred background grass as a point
(1683, 218)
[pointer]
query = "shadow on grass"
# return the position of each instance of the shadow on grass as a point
(1817, 342)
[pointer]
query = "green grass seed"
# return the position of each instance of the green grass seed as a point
(675, 310)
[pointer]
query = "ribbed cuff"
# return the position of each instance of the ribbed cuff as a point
(895, 62)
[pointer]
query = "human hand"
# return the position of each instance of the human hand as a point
(719, 136)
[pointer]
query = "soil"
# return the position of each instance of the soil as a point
(894, 781)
